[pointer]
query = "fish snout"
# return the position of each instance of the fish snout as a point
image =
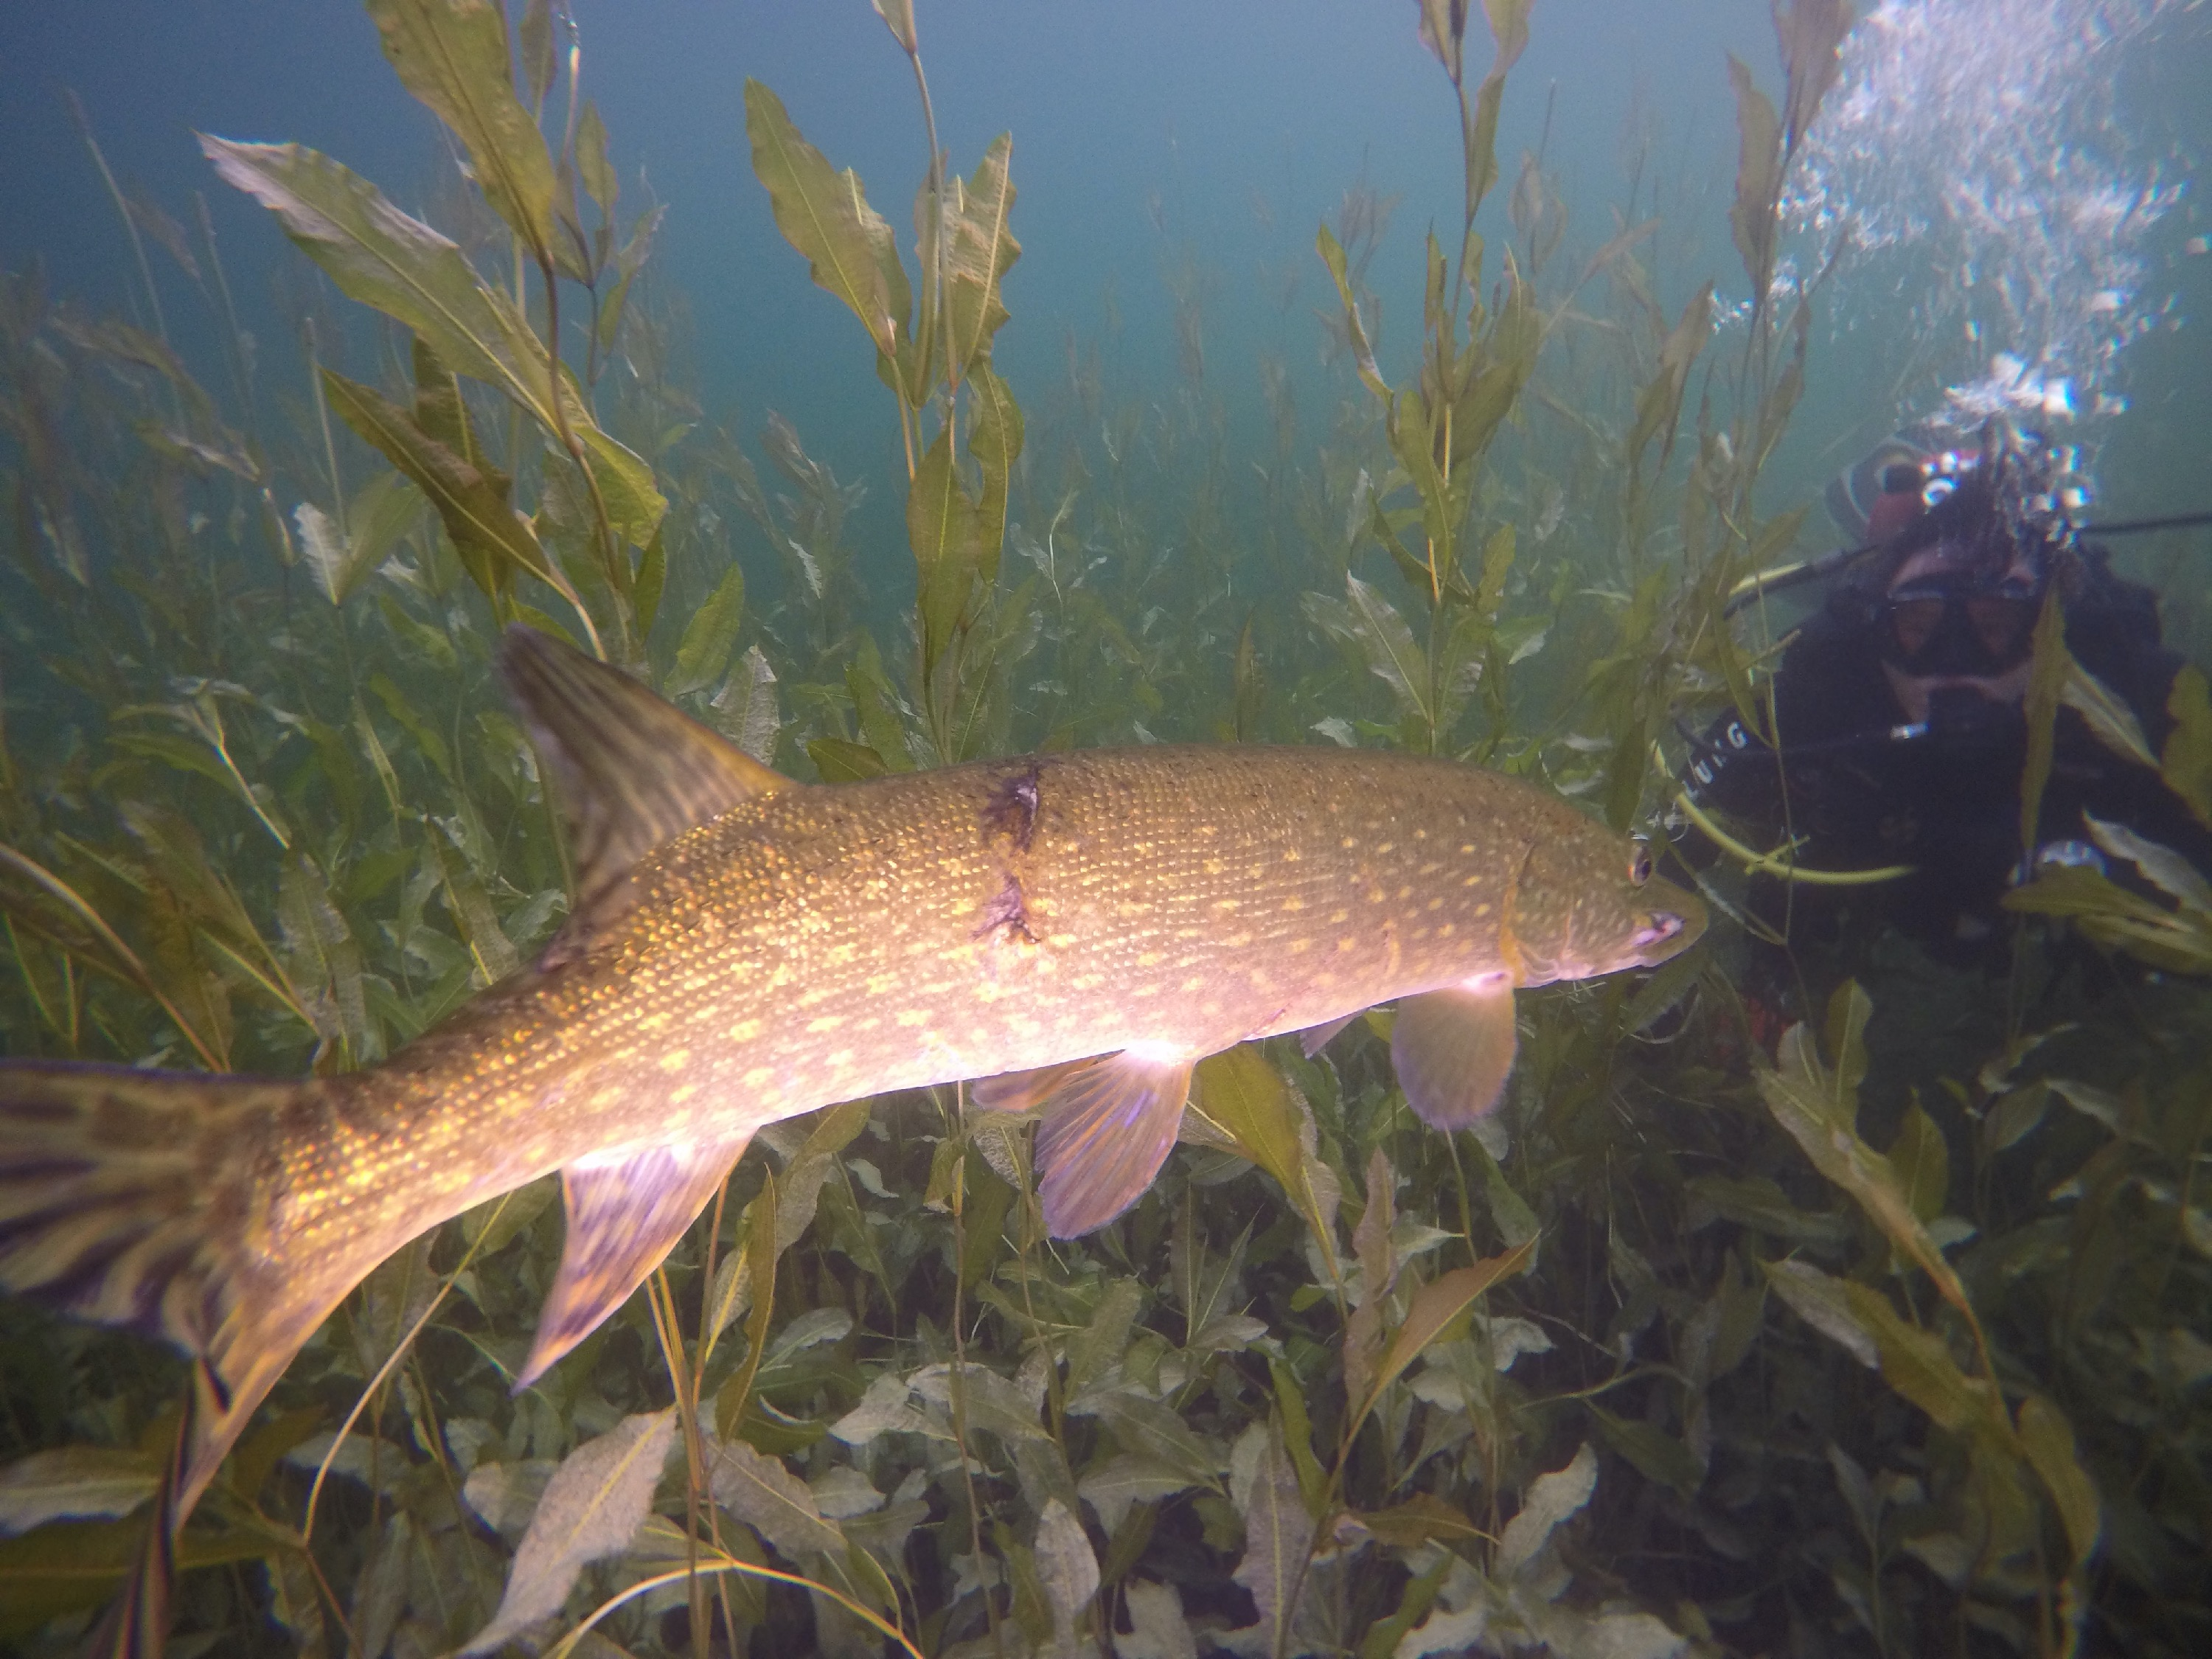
(1656, 929)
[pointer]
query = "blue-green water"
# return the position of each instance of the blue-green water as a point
(264, 808)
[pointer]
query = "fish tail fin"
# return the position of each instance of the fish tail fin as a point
(141, 1200)
(137, 1623)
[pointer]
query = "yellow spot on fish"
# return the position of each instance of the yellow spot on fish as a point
(758, 1075)
(745, 1030)
(682, 1093)
(824, 1022)
(675, 1059)
(1290, 905)
(910, 1017)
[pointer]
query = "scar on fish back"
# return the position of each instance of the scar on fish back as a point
(1011, 811)
(1007, 914)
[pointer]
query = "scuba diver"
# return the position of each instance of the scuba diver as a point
(1898, 706)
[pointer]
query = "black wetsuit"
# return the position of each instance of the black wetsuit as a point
(1945, 798)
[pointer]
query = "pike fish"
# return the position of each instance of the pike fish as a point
(1078, 929)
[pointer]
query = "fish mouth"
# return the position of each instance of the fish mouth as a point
(1656, 931)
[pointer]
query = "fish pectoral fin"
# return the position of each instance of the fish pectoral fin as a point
(1314, 1038)
(1022, 1092)
(625, 1214)
(626, 769)
(1454, 1049)
(1107, 1129)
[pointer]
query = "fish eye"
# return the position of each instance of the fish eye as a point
(1639, 863)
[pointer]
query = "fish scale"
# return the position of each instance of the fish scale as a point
(1076, 929)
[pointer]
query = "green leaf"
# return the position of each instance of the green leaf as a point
(471, 502)
(978, 251)
(2050, 665)
(995, 442)
(898, 16)
(1757, 178)
(1393, 654)
(2110, 720)
(535, 45)
(1363, 351)
(2117, 918)
(710, 637)
(1659, 404)
(628, 262)
(1917, 1363)
(1809, 33)
(1149, 1430)
(452, 55)
(1922, 1162)
(592, 1507)
(849, 248)
(635, 503)
(1914, 1361)
(2168, 871)
(382, 512)
(759, 1491)
(2048, 1439)
(2186, 764)
(841, 761)
(944, 530)
(652, 581)
(384, 258)
(1553, 1498)
(1279, 1536)
(875, 704)
(72, 1565)
(1658, 1455)
(591, 164)
(1808, 1101)
(74, 1482)
(1246, 1101)
(1434, 1307)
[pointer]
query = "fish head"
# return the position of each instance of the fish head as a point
(1587, 903)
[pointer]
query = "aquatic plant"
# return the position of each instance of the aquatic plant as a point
(1891, 1345)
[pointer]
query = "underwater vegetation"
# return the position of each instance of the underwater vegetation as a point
(1895, 1342)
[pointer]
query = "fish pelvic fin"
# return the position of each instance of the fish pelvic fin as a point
(626, 770)
(141, 1200)
(625, 1214)
(1107, 1127)
(1453, 1050)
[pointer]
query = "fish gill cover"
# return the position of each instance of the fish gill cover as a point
(1891, 1341)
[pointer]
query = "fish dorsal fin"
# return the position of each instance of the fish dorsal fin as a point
(627, 770)
(625, 1214)
(1453, 1050)
(1107, 1128)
